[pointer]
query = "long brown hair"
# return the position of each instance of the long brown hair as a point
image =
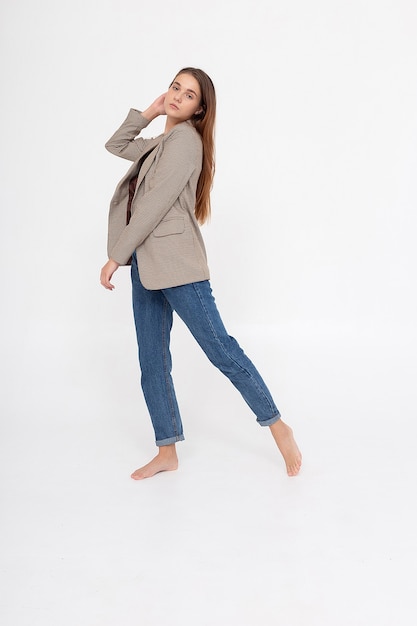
(204, 124)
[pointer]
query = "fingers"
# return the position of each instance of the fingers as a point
(159, 103)
(105, 281)
(107, 285)
(107, 273)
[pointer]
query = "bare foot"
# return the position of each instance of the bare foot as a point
(285, 441)
(165, 461)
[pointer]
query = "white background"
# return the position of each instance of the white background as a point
(313, 260)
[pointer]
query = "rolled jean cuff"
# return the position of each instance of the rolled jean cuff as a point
(170, 440)
(271, 421)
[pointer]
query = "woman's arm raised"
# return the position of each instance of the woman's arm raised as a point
(123, 142)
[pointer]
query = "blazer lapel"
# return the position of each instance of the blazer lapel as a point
(148, 158)
(144, 163)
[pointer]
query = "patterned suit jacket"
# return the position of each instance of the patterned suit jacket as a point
(162, 228)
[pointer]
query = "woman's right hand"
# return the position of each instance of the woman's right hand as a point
(156, 108)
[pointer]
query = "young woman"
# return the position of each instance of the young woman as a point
(154, 226)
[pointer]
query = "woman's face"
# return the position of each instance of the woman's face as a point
(183, 98)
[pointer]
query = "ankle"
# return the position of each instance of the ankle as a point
(279, 427)
(167, 451)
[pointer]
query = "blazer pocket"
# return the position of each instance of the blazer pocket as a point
(172, 226)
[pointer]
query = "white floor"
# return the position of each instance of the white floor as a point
(228, 539)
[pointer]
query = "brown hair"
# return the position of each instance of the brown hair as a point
(204, 124)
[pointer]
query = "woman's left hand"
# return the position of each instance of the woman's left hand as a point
(107, 272)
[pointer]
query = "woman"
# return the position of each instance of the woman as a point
(154, 226)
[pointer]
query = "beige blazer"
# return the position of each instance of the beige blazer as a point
(163, 229)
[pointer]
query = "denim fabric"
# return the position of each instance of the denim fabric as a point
(195, 305)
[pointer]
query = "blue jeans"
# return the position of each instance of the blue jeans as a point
(195, 305)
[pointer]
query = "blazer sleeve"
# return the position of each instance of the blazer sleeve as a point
(124, 143)
(181, 156)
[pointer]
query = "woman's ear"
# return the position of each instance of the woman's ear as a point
(200, 112)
